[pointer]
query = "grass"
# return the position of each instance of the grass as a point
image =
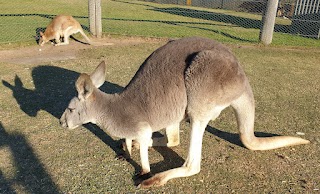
(21, 21)
(38, 156)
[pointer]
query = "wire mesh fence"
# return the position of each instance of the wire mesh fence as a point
(225, 20)
(22, 21)
(303, 16)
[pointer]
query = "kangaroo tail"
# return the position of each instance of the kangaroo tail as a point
(244, 108)
(85, 37)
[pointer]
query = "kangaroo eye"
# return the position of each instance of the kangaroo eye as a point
(71, 109)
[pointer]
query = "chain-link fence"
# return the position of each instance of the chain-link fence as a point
(22, 20)
(303, 15)
(225, 20)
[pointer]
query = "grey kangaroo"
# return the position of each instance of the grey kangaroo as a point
(194, 78)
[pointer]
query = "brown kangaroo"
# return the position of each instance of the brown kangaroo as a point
(194, 78)
(62, 26)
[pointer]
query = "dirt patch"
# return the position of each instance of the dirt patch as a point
(37, 54)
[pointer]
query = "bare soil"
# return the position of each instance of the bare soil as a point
(40, 54)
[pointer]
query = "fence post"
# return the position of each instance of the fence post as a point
(98, 19)
(95, 23)
(92, 17)
(268, 21)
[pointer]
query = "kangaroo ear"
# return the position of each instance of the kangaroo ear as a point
(99, 75)
(17, 83)
(84, 86)
(41, 33)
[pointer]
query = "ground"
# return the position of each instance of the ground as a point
(37, 155)
(39, 54)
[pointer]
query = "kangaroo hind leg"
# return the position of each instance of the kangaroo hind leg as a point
(66, 35)
(57, 38)
(193, 161)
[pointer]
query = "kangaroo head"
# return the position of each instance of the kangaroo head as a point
(43, 39)
(80, 109)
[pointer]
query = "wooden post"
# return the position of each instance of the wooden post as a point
(98, 19)
(95, 23)
(268, 20)
(189, 2)
(92, 17)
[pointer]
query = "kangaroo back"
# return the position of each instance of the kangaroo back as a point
(159, 84)
(62, 26)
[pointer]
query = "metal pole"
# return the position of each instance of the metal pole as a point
(268, 20)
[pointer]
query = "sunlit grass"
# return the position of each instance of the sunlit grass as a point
(20, 21)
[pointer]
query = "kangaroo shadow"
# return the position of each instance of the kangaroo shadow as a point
(53, 89)
(30, 173)
(170, 160)
(234, 138)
